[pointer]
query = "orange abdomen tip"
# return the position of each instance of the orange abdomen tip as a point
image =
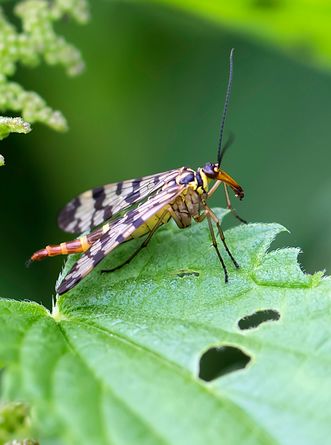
(48, 251)
(39, 255)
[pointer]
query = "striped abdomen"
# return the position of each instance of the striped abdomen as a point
(76, 246)
(83, 243)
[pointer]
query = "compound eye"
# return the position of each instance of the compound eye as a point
(211, 170)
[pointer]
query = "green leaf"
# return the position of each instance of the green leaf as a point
(301, 28)
(117, 361)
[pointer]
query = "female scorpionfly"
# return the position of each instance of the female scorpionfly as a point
(148, 202)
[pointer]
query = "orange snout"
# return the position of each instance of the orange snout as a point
(223, 176)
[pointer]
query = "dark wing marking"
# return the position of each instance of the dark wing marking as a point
(95, 206)
(118, 232)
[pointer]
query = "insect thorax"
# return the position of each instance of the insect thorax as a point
(189, 204)
(196, 180)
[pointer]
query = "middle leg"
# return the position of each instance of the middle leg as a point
(143, 244)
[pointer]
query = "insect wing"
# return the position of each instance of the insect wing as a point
(117, 233)
(95, 206)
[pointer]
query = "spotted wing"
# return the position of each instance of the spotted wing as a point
(118, 231)
(95, 206)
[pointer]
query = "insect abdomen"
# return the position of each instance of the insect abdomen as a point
(149, 225)
(76, 246)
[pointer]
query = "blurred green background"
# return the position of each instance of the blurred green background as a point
(150, 100)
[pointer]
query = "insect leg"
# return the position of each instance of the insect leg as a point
(144, 244)
(214, 188)
(229, 205)
(213, 237)
(220, 231)
(200, 218)
(175, 218)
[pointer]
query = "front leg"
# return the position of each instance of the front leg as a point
(214, 242)
(229, 205)
(212, 215)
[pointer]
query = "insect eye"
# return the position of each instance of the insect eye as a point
(208, 169)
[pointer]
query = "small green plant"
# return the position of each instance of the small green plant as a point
(14, 419)
(12, 125)
(36, 41)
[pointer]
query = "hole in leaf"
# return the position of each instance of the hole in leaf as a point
(259, 317)
(187, 273)
(220, 361)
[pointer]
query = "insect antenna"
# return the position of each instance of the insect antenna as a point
(220, 152)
